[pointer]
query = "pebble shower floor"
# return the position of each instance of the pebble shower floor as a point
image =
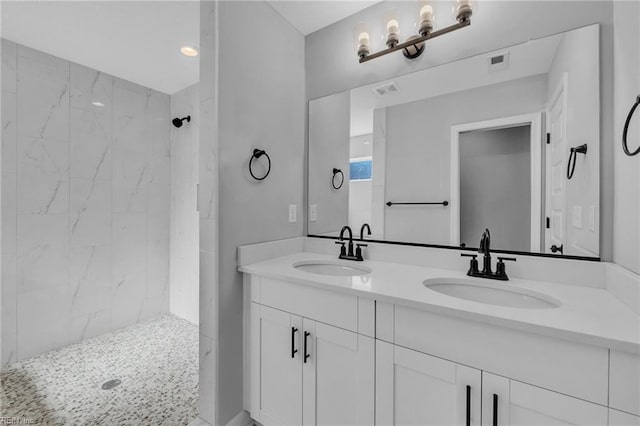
(156, 362)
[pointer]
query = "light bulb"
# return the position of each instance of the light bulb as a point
(464, 10)
(392, 27)
(361, 39)
(426, 20)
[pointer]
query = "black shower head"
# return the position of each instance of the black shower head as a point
(178, 121)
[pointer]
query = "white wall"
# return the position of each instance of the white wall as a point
(85, 198)
(418, 151)
(627, 169)
(183, 254)
(577, 58)
(332, 66)
(261, 104)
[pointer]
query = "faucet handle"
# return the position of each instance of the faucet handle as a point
(501, 272)
(473, 263)
(343, 249)
(359, 251)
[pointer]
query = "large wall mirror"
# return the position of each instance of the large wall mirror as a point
(508, 140)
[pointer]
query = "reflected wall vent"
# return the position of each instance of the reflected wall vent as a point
(386, 89)
(498, 62)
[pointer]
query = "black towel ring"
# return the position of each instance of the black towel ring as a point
(571, 166)
(257, 153)
(625, 147)
(333, 178)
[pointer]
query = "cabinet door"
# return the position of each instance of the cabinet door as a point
(338, 376)
(519, 404)
(618, 418)
(413, 388)
(276, 367)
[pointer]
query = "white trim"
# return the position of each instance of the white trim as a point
(535, 121)
(241, 419)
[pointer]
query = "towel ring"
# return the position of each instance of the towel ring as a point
(571, 165)
(257, 153)
(625, 147)
(333, 178)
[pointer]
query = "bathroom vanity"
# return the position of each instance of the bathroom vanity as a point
(363, 343)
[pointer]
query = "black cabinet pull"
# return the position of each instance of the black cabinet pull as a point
(294, 351)
(306, 355)
(468, 405)
(495, 409)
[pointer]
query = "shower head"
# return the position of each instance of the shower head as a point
(178, 121)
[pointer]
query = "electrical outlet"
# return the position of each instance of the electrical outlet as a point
(592, 218)
(293, 213)
(577, 217)
(313, 212)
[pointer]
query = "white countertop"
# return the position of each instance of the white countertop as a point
(586, 315)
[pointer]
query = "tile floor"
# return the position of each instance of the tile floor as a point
(156, 361)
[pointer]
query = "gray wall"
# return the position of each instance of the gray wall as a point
(329, 148)
(331, 64)
(418, 151)
(261, 105)
(85, 198)
(627, 169)
(495, 187)
(577, 58)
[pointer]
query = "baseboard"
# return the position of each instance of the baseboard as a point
(241, 419)
(199, 422)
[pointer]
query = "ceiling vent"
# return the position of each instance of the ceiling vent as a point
(386, 89)
(498, 62)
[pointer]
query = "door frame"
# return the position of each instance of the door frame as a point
(533, 120)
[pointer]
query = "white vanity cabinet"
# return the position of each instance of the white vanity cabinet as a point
(316, 356)
(417, 389)
(509, 402)
(304, 371)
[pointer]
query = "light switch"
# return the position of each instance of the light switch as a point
(592, 218)
(577, 217)
(313, 212)
(293, 213)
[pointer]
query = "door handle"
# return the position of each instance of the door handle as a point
(495, 409)
(468, 405)
(555, 248)
(306, 354)
(294, 351)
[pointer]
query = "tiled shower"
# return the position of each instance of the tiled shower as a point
(86, 160)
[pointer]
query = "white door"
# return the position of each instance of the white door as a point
(519, 404)
(557, 156)
(276, 367)
(338, 376)
(413, 388)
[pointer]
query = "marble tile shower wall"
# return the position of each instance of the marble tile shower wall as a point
(85, 202)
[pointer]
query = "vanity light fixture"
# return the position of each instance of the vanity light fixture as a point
(414, 44)
(190, 51)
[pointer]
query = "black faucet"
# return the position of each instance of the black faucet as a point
(485, 250)
(362, 228)
(349, 254)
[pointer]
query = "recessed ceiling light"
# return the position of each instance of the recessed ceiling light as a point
(189, 51)
(98, 104)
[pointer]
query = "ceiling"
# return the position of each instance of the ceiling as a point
(308, 16)
(135, 40)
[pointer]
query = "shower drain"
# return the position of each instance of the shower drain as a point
(111, 384)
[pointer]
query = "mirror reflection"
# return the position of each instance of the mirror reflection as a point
(507, 140)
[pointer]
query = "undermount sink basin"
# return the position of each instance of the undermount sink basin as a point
(331, 268)
(491, 293)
